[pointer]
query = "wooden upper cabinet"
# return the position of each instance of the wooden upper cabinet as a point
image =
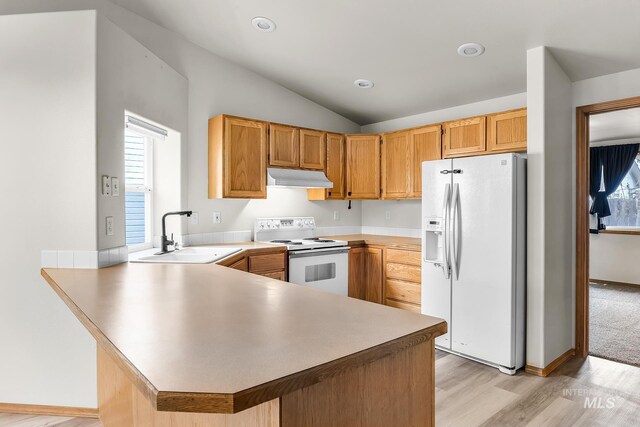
(425, 143)
(507, 131)
(464, 137)
(237, 158)
(313, 150)
(336, 165)
(363, 166)
(395, 164)
(284, 146)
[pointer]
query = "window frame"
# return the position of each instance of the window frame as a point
(623, 229)
(147, 190)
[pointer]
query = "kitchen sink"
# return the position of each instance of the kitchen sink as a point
(189, 255)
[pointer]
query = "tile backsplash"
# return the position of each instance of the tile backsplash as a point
(118, 255)
(84, 259)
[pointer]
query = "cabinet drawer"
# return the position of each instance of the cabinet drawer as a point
(270, 262)
(275, 275)
(403, 305)
(402, 291)
(242, 264)
(398, 256)
(409, 273)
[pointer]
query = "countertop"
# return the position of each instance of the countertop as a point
(206, 338)
(412, 243)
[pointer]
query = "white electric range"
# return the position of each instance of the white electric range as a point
(315, 262)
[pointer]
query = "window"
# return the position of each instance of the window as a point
(625, 201)
(138, 179)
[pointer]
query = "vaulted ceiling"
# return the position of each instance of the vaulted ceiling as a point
(407, 47)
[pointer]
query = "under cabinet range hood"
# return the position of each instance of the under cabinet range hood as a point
(277, 177)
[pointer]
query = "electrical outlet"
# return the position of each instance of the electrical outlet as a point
(336, 215)
(109, 226)
(387, 215)
(115, 186)
(217, 217)
(193, 219)
(106, 185)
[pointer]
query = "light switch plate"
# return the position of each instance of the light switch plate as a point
(336, 215)
(106, 185)
(109, 224)
(115, 186)
(217, 217)
(193, 219)
(387, 215)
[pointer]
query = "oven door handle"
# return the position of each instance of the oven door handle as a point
(312, 252)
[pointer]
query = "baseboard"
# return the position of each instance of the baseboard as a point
(543, 372)
(59, 411)
(611, 282)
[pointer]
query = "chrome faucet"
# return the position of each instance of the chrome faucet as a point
(164, 242)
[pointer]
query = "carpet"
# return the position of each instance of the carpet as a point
(614, 322)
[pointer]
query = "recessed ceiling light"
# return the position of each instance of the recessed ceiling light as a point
(363, 84)
(263, 24)
(471, 49)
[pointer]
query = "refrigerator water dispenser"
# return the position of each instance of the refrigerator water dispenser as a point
(433, 244)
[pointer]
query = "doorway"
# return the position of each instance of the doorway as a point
(607, 223)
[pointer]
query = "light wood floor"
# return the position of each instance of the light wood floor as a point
(470, 394)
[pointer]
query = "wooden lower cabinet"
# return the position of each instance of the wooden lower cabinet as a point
(365, 273)
(403, 278)
(260, 261)
(386, 276)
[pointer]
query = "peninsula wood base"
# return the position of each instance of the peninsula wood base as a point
(396, 390)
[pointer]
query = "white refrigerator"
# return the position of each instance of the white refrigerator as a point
(473, 255)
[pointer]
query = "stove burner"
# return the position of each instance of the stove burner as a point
(280, 241)
(318, 240)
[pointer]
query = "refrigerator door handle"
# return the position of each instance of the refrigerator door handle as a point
(446, 209)
(456, 230)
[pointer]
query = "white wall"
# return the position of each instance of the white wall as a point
(614, 257)
(131, 78)
(47, 182)
(216, 86)
(550, 210)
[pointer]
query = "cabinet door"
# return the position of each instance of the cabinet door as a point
(363, 166)
(335, 166)
(464, 137)
(373, 266)
(425, 143)
(284, 146)
(395, 162)
(313, 151)
(507, 131)
(245, 158)
(357, 273)
(241, 264)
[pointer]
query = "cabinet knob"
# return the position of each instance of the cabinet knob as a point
(349, 193)
(329, 192)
